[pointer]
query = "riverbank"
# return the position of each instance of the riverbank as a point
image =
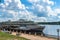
(7, 36)
(33, 37)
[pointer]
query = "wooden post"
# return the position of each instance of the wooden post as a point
(3, 29)
(13, 30)
(20, 31)
(10, 32)
(29, 33)
(6, 30)
(24, 32)
(58, 33)
(17, 33)
(41, 34)
(35, 33)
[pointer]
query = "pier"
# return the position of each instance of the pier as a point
(27, 27)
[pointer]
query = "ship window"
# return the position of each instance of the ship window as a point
(23, 25)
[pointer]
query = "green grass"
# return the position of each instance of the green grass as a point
(6, 36)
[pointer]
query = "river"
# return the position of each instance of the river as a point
(51, 29)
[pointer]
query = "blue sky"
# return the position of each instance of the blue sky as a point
(57, 3)
(36, 10)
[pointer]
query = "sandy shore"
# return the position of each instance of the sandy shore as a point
(32, 37)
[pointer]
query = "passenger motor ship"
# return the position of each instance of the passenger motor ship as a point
(22, 26)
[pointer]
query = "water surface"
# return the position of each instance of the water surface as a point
(51, 29)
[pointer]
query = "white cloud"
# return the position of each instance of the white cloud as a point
(51, 12)
(54, 12)
(19, 4)
(40, 7)
(8, 1)
(15, 14)
(58, 16)
(6, 4)
(27, 15)
(30, 16)
(18, 10)
(33, 1)
(2, 5)
(44, 7)
(40, 19)
(13, 3)
(57, 10)
(48, 2)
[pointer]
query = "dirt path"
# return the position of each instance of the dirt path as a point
(32, 37)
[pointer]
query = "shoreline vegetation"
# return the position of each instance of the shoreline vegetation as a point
(49, 23)
(6, 36)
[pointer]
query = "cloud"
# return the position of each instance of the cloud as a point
(33, 1)
(40, 19)
(41, 5)
(58, 16)
(57, 10)
(45, 7)
(54, 12)
(38, 7)
(48, 2)
(51, 12)
(17, 9)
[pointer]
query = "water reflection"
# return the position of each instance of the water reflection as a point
(51, 29)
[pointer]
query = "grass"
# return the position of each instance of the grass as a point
(6, 36)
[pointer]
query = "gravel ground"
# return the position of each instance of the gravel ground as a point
(33, 37)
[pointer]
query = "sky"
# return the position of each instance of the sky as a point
(35, 10)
